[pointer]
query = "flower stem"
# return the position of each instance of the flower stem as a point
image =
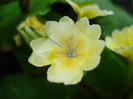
(31, 34)
(25, 36)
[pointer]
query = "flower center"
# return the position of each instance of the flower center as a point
(71, 53)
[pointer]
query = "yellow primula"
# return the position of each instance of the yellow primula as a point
(30, 29)
(122, 42)
(89, 10)
(70, 49)
(34, 23)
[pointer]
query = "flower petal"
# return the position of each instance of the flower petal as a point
(40, 60)
(93, 32)
(119, 37)
(41, 45)
(43, 52)
(92, 11)
(91, 62)
(110, 43)
(81, 41)
(128, 32)
(82, 25)
(56, 31)
(96, 47)
(65, 71)
(125, 51)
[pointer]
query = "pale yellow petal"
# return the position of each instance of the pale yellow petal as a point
(41, 45)
(117, 37)
(40, 60)
(96, 47)
(44, 51)
(51, 27)
(123, 35)
(125, 51)
(93, 32)
(110, 43)
(81, 41)
(56, 31)
(91, 62)
(82, 25)
(34, 23)
(75, 41)
(81, 57)
(92, 11)
(65, 71)
(129, 35)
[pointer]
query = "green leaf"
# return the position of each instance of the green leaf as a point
(83, 1)
(40, 7)
(10, 17)
(119, 20)
(108, 79)
(23, 86)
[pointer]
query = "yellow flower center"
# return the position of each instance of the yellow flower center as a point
(71, 53)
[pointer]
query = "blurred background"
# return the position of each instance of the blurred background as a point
(20, 80)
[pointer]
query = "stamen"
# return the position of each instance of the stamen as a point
(71, 53)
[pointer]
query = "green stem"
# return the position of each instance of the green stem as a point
(31, 34)
(25, 37)
(41, 34)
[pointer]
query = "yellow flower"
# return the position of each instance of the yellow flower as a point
(89, 10)
(31, 29)
(70, 49)
(122, 42)
(17, 39)
(34, 23)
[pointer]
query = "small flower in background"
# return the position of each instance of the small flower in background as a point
(31, 29)
(89, 10)
(70, 49)
(17, 39)
(122, 42)
(34, 23)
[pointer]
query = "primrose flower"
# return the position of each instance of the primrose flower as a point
(122, 42)
(31, 29)
(34, 23)
(89, 10)
(70, 49)
(17, 39)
